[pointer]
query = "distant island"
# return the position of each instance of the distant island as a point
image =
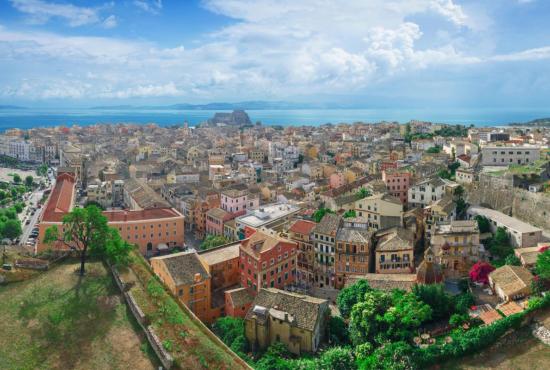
(254, 105)
(539, 122)
(236, 118)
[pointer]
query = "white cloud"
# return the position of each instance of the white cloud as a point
(42, 11)
(529, 54)
(153, 7)
(273, 49)
(110, 22)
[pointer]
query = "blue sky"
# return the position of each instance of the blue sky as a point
(367, 53)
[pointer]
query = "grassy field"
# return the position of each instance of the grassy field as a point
(56, 321)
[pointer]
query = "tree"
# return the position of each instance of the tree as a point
(350, 213)
(338, 331)
(499, 246)
(512, 260)
(212, 241)
(395, 356)
(350, 295)
(363, 193)
(543, 264)
(483, 224)
(16, 179)
(480, 271)
(337, 358)
(29, 181)
(94, 203)
(434, 295)
(86, 231)
(11, 229)
(434, 149)
(320, 213)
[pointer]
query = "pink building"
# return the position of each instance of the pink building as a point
(397, 183)
(235, 201)
(215, 219)
(336, 180)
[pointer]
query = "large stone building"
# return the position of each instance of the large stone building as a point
(298, 321)
(507, 155)
(394, 251)
(381, 210)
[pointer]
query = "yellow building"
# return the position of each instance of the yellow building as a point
(381, 210)
(296, 320)
(456, 247)
(394, 251)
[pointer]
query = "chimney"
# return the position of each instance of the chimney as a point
(197, 277)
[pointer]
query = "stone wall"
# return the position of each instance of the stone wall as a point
(533, 208)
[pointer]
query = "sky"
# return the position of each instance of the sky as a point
(362, 53)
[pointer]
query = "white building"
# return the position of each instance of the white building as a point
(521, 233)
(427, 191)
(269, 216)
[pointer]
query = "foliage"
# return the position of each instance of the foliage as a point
(383, 316)
(17, 179)
(350, 295)
(483, 223)
(94, 203)
(212, 241)
(434, 150)
(463, 302)
(338, 331)
(86, 230)
(350, 213)
(274, 358)
(434, 295)
(543, 264)
(337, 358)
(29, 181)
(320, 213)
(395, 356)
(480, 271)
(453, 131)
(459, 319)
(42, 170)
(512, 260)
(363, 193)
(10, 229)
(499, 245)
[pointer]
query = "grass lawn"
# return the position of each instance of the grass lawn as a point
(56, 321)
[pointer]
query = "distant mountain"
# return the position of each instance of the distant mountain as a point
(540, 122)
(11, 107)
(248, 105)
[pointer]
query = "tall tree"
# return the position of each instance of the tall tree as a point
(86, 231)
(29, 180)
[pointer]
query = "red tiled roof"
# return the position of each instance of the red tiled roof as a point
(302, 227)
(60, 200)
(144, 214)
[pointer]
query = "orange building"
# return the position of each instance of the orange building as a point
(186, 277)
(352, 255)
(149, 229)
(300, 232)
(238, 302)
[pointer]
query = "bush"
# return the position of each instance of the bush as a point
(337, 358)
(338, 331)
(349, 296)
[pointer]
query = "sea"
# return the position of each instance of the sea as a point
(30, 118)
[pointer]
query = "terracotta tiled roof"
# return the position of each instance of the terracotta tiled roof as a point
(182, 267)
(144, 214)
(260, 242)
(61, 198)
(302, 227)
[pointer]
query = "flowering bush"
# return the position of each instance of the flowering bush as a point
(480, 272)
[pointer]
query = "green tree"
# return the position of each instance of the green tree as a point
(350, 295)
(434, 150)
(366, 318)
(338, 331)
(29, 181)
(363, 193)
(543, 264)
(395, 356)
(483, 224)
(11, 229)
(320, 213)
(337, 358)
(499, 246)
(274, 358)
(350, 213)
(86, 231)
(512, 260)
(434, 295)
(17, 179)
(212, 241)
